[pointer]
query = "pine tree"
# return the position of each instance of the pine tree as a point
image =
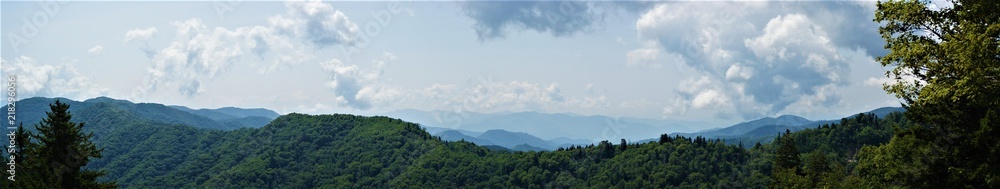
(624, 145)
(28, 168)
(64, 149)
(787, 156)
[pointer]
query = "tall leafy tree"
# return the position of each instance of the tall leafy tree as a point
(946, 63)
(64, 149)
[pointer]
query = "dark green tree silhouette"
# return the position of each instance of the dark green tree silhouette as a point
(64, 149)
(787, 156)
(624, 145)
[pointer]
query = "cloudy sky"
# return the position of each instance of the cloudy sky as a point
(720, 62)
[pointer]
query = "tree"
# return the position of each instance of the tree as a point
(65, 149)
(28, 171)
(947, 69)
(787, 156)
(664, 138)
(623, 146)
(816, 166)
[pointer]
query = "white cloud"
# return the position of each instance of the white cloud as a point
(316, 22)
(878, 82)
(140, 34)
(709, 98)
(514, 94)
(486, 95)
(36, 79)
(361, 89)
(758, 57)
(96, 50)
(645, 58)
(737, 72)
(200, 53)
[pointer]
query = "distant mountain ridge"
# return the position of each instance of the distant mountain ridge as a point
(30, 111)
(229, 112)
(506, 139)
(744, 127)
(766, 128)
(234, 117)
(546, 125)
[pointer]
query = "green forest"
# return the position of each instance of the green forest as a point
(947, 138)
(323, 151)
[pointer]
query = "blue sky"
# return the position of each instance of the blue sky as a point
(720, 62)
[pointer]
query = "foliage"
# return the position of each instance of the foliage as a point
(55, 157)
(347, 151)
(946, 61)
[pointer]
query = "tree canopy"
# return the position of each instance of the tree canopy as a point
(946, 64)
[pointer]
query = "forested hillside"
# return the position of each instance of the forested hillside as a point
(306, 151)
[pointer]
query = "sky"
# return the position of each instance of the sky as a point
(711, 61)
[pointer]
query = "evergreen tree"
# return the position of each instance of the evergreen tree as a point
(27, 168)
(624, 145)
(64, 149)
(787, 156)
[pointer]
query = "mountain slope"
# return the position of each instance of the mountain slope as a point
(348, 151)
(453, 135)
(512, 139)
(548, 125)
(763, 127)
(742, 128)
(248, 112)
(211, 114)
(234, 117)
(506, 139)
(30, 111)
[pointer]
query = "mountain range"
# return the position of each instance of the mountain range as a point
(765, 129)
(546, 125)
(31, 111)
(509, 130)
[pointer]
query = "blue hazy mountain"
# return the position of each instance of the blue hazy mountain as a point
(506, 139)
(513, 139)
(881, 112)
(767, 124)
(211, 114)
(526, 147)
(453, 135)
(234, 117)
(30, 111)
(547, 125)
(563, 141)
(251, 112)
(744, 127)
(767, 128)
(436, 130)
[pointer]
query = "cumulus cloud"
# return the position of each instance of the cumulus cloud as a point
(140, 34)
(36, 79)
(357, 88)
(514, 94)
(200, 53)
(486, 95)
(759, 57)
(316, 22)
(96, 50)
(558, 18)
(645, 58)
